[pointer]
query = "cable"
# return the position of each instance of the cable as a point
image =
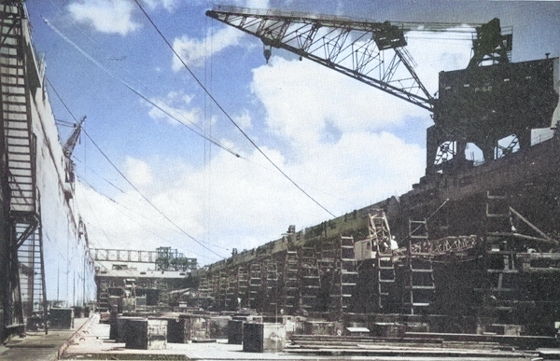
(146, 198)
(129, 182)
(131, 88)
(227, 115)
(135, 221)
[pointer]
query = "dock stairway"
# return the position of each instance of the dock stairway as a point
(345, 279)
(255, 285)
(271, 279)
(384, 266)
(20, 154)
(291, 290)
(501, 285)
(419, 284)
(310, 280)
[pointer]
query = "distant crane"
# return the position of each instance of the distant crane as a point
(70, 144)
(68, 149)
(489, 100)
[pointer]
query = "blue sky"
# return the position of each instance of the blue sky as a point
(346, 144)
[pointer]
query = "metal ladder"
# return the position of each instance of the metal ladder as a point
(384, 266)
(223, 286)
(309, 278)
(345, 281)
(242, 286)
(420, 286)
(501, 286)
(271, 284)
(255, 285)
(32, 285)
(291, 290)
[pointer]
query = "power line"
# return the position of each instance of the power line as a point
(137, 92)
(129, 182)
(146, 198)
(226, 113)
(132, 219)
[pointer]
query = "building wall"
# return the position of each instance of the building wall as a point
(69, 274)
(68, 265)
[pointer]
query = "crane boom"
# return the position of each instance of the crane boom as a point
(73, 139)
(359, 49)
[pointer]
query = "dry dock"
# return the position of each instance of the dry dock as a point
(89, 340)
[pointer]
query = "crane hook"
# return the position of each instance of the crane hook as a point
(267, 52)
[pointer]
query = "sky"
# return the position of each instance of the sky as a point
(147, 180)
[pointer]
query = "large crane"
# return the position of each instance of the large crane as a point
(352, 47)
(70, 144)
(68, 149)
(480, 104)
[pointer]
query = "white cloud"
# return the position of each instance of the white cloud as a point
(236, 203)
(254, 4)
(106, 16)
(302, 97)
(194, 52)
(243, 120)
(340, 152)
(441, 51)
(178, 105)
(138, 172)
(168, 5)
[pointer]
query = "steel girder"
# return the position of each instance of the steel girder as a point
(373, 53)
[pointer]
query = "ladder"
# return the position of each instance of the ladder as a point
(19, 152)
(255, 285)
(384, 266)
(232, 288)
(419, 284)
(291, 290)
(501, 286)
(309, 278)
(223, 286)
(345, 282)
(271, 285)
(204, 288)
(498, 217)
(243, 286)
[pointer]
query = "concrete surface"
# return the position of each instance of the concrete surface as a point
(38, 346)
(89, 340)
(92, 343)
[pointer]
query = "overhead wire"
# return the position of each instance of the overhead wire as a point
(140, 215)
(131, 88)
(209, 138)
(226, 114)
(137, 92)
(83, 180)
(129, 182)
(146, 198)
(115, 59)
(209, 180)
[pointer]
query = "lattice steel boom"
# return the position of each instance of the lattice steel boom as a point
(371, 52)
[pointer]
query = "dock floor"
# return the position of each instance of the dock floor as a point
(89, 340)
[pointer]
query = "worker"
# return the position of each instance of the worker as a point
(394, 244)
